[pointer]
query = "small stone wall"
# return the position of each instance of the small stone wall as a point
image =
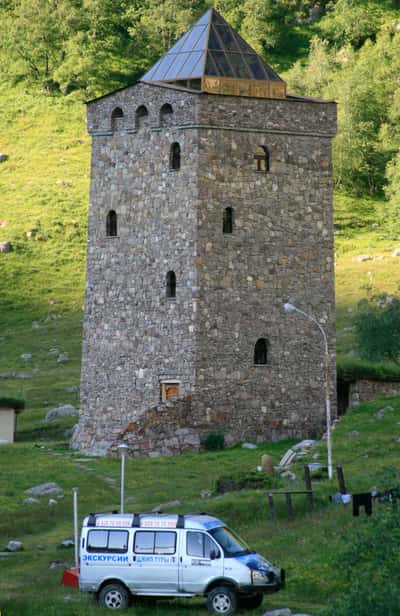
(367, 390)
(164, 430)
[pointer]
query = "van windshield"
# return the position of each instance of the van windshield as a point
(229, 541)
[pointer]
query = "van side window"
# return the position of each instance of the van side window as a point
(200, 545)
(107, 541)
(155, 542)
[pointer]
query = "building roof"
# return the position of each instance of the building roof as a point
(211, 48)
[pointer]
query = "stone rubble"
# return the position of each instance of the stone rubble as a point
(44, 489)
(65, 410)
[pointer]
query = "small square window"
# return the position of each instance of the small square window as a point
(169, 390)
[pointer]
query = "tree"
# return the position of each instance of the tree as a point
(33, 35)
(377, 328)
(352, 22)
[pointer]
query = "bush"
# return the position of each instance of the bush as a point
(370, 562)
(214, 441)
(377, 328)
(371, 567)
(13, 403)
(245, 481)
(351, 369)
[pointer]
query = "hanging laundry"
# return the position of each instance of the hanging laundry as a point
(364, 499)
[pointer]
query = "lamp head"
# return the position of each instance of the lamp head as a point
(289, 307)
(123, 448)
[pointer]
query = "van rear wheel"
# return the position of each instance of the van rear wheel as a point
(222, 600)
(114, 596)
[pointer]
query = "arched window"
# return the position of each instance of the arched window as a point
(166, 113)
(140, 116)
(116, 118)
(262, 159)
(175, 157)
(111, 224)
(227, 221)
(261, 351)
(171, 284)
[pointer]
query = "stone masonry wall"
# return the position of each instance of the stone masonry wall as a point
(230, 287)
(281, 249)
(367, 390)
(134, 336)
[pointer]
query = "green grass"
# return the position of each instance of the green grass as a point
(44, 186)
(306, 547)
(359, 231)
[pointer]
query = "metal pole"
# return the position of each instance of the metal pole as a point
(122, 481)
(76, 546)
(289, 308)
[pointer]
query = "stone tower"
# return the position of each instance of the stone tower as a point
(210, 207)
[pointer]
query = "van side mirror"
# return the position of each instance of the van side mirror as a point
(214, 554)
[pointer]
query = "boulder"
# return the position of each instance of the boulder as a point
(306, 444)
(14, 546)
(26, 356)
(3, 157)
(5, 247)
(44, 489)
(362, 258)
(62, 358)
(380, 413)
(31, 501)
(249, 446)
(65, 410)
(289, 475)
(57, 564)
(74, 389)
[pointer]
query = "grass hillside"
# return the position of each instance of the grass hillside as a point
(310, 548)
(44, 188)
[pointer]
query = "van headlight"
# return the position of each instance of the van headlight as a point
(259, 577)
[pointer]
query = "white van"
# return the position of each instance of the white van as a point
(165, 555)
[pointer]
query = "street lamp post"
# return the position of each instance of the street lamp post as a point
(122, 449)
(291, 308)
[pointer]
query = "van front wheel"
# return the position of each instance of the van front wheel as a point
(114, 596)
(222, 600)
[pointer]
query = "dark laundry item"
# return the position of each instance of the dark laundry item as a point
(388, 496)
(364, 499)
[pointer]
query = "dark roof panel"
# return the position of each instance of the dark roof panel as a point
(210, 47)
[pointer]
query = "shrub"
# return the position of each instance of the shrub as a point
(371, 566)
(377, 328)
(245, 481)
(13, 403)
(214, 441)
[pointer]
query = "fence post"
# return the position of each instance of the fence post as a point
(289, 506)
(272, 506)
(308, 484)
(340, 477)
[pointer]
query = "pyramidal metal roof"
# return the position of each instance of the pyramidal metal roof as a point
(211, 48)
